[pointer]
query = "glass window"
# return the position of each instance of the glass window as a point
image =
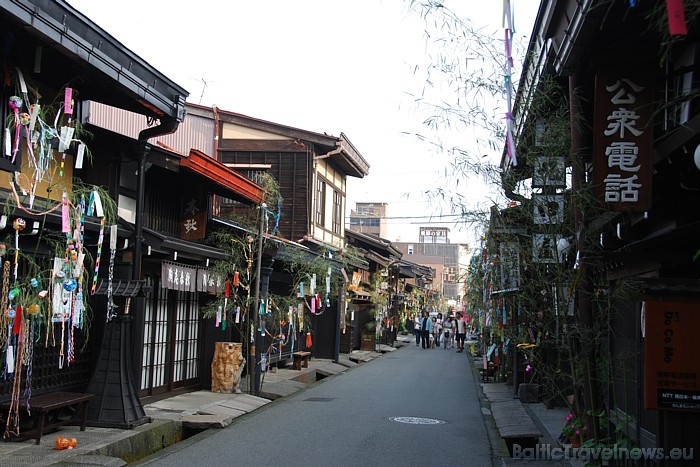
(320, 201)
(337, 212)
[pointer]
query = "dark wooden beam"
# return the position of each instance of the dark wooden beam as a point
(270, 145)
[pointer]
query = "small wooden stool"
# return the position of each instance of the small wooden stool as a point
(301, 360)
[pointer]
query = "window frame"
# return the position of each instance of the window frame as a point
(337, 212)
(320, 202)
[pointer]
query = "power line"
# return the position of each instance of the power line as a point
(427, 216)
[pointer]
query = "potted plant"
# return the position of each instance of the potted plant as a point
(574, 429)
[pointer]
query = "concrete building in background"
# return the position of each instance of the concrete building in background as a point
(434, 250)
(369, 218)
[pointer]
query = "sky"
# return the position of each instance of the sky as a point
(319, 65)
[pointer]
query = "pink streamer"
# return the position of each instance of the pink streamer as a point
(65, 213)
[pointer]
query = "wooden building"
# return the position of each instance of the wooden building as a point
(81, 195)
(622, 76)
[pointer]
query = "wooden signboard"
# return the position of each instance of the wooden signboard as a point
(623, 137)
(671, 366)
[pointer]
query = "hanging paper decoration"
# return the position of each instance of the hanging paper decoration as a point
(98, 256)
(676, 18)
(309, 342)
(18, 224)
(510, 143)
(16, 106)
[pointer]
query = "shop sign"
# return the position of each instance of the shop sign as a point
(548, 209)
(193, 224)
(671, 366)
(549, 172)
(509, 266)
(544, 247)
(623, 137)
(176, 276)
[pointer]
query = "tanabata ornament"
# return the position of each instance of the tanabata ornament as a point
(65, 443)
(19, 224)
(14, 293)
(33, 309)
(3, 249)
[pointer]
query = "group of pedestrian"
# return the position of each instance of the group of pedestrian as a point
(435, 331)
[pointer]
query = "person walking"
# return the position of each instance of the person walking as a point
(426, 327)
(448, 337)
(438, 330)
(461, 332)
(416, 328)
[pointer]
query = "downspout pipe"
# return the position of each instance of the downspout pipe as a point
(166, 126)
(114, 373)
(330, 153)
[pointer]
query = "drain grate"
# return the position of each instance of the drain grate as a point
(320, 399)
(417, 420)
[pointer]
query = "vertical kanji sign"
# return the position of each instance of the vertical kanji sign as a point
(193, 223)
(623, 135)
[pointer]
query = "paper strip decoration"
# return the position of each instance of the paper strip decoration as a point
(676, 18)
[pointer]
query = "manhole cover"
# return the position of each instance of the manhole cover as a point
(417, 420)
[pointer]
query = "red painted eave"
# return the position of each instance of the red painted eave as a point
(231, 181)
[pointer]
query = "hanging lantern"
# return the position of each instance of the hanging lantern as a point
(309, 342)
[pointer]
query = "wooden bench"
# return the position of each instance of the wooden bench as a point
(301, 360)
(514, 424)
(49, 411)
(488, 372)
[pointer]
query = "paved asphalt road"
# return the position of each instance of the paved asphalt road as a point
(348, 420)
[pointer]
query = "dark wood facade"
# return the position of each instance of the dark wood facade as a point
(291, 168)
(652, 247)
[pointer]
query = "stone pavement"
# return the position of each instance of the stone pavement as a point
(173, 420)
(549, 421)
(177, 418)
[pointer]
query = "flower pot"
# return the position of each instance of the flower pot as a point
(575, 441)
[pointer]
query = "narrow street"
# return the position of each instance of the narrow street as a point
(354, 419)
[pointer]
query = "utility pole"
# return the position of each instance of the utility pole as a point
(254, 353)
